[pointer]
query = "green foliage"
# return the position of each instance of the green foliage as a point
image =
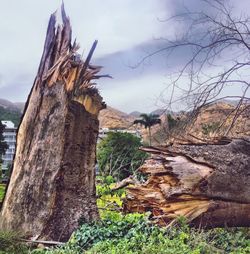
(148, 120)
(109, 202)
(10, 243)
(2, 191)
(3, 144)
(209, 128)
(150, 239)
(115, 226)
(232, 240)
(10, 115)
(65, 249)
(118, 155)
(142, 244)
(134, 234)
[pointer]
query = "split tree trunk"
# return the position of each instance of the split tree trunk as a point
(52, 186)
(208, 184)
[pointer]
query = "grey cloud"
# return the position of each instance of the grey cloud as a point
(119, 64)
(128, 64)
(17, 88)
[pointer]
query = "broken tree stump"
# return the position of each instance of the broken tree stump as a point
(207, 184)
(52, 186)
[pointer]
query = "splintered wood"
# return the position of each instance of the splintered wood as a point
(187, 181)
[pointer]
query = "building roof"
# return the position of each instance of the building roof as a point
(8, 124)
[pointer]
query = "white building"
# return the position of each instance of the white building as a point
(104, 131)
(10, 138)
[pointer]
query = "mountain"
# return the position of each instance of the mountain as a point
(113, 118)
(135, 114)
(20, 105)
(207, 122)
(221, 113)
(159, 112)
(10, 105)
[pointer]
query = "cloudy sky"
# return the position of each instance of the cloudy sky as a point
(127, 30)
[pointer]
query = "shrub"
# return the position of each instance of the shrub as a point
(115, 226)
(108, 200)
(10, 243)
(66, 249)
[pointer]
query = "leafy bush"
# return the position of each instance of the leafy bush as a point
(66, 249)
(180, 239)
(118, 155)
(104, 187)
(115, 226)
(232, 240)
(108, 200)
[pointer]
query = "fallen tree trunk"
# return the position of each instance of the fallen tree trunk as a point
(207, 184)
(52, 186)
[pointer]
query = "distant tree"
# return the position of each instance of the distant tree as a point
(118, 155)
(3, 144)
(148, 120)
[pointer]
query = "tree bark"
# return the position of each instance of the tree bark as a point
(206, 183)
(52, 186)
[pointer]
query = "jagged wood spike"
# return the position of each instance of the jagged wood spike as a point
(85, 65)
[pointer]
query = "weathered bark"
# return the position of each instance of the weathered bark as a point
(52, 184)
(208, 184)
